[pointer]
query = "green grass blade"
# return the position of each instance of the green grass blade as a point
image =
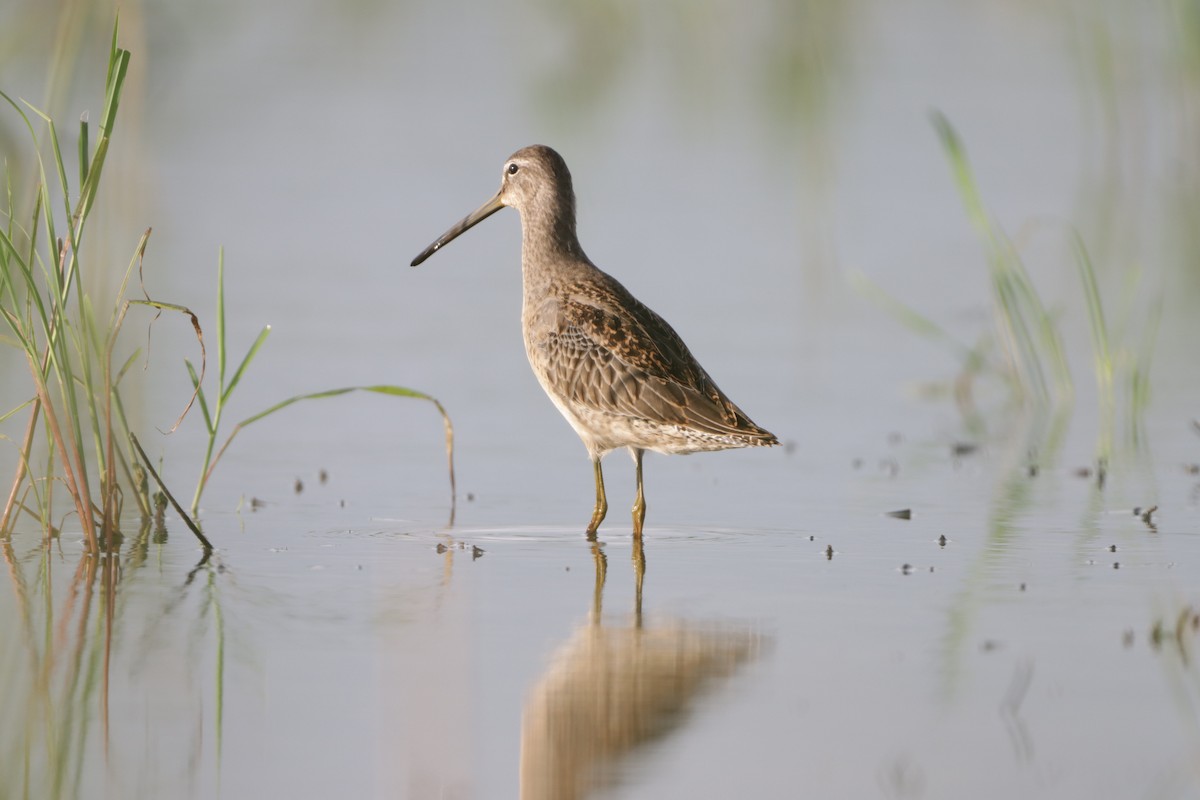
(41, 210)
(968, 190)
(34, 227)
(394, 391)
(259, 341)
(139, 254)
(117, 70)
(10, 412)
(1091, 291)
(61, 171)
(13, 258)
(129, 362)
(87, 194)
(904, 314)
(83, 150)
(199, 395)
(221, 327)
(89, 344)
(389, 390)
(113, 49)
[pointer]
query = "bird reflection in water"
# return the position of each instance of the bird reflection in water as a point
(614, 687)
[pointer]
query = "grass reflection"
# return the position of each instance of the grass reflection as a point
(62, 655)
(1012, 500)
(1174, 636)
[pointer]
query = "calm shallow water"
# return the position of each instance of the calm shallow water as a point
(789, 637)
(322, 651)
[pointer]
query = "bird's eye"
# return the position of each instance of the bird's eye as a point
(512, 169)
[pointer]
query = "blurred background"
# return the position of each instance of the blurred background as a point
(734, 165)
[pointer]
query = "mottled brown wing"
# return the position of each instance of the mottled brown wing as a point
(610, 352)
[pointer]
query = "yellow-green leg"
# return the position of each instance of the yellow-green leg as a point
(639, 574)
(601, 501)
(639, 505)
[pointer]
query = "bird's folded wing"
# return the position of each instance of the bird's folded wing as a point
(633, 363)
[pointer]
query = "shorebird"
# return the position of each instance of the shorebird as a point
(616, 370)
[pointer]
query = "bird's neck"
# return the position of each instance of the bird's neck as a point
(548, 246)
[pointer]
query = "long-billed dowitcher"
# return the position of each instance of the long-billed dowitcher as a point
(616, 370)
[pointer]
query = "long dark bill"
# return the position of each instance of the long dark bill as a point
(466, 223)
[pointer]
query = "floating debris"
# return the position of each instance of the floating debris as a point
(1127, 637)
(789, 447)
(960, 449)
(1083, 472)
(1022, 587)
(299, 487)
(989, 645)
(323, 476)
(1192, 469)
(895, 438)
(1033, 470)
(1147, 516)
(470, 497)
(1116, 565)
(256, 503)
(904, 513)
(890, 466)
(856, 464)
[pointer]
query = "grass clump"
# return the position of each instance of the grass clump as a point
(1032, 358)
(77, 434)
(53, 323)
(1028, 334)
